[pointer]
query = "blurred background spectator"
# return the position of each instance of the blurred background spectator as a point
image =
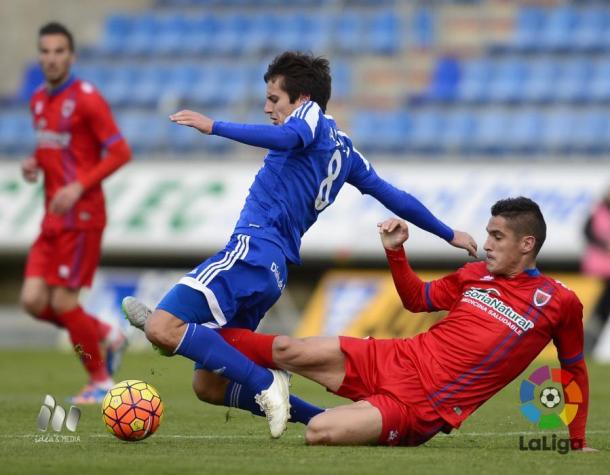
(596, 262)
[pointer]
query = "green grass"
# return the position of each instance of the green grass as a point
(198, 438)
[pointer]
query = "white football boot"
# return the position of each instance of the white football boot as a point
(136, 312)
(274, 402)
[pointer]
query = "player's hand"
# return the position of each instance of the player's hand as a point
(464, 241)
(65, 198)
(393, 232)
(193, 119)
(29, 170)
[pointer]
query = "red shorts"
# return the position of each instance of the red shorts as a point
(65, 258)
(376, 373)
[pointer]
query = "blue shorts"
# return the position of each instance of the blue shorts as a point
(234, 288)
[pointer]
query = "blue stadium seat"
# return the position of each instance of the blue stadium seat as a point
(573, 81)
(385, 33)
(117, 29)
(592, 34)
(143, 35)
(560, 26)
(175, 29)
(16, 134)
(423, 27)
(183, 79)
(144, 132)
(557, 131)
(490, 135)
(381, 132)
(121, 82)
(96, 74)
(530, 24)
(476, 77)
(200, 36)
(523, 131)
(509, 77)
(349, 33)
(342, 80)
(153, 81)
(591, 133)
(426, 127)
(229, 39)
(542, 74)
(599, 86)
(458, 132)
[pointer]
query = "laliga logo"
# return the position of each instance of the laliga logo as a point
(57, 417)
(541, 399)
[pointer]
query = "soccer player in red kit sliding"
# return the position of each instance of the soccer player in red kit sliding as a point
(502, 313)
(78, 145)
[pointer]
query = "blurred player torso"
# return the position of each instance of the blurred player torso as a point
(66, 148)
(495, 329)
(293, 187)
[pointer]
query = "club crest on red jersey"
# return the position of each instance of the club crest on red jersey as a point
(67, 108)
(541, 298)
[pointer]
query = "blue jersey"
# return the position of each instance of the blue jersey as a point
(294, 186)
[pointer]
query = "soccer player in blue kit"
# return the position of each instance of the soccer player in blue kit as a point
(308, 162)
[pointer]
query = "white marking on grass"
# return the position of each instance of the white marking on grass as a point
(300, 436)
(510, 434)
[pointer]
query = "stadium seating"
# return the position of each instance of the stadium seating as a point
(542, 91)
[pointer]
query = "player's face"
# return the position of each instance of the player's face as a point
(277, 102)
(55, 58)
(503, 248)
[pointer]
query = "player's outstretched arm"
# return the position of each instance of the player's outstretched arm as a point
(393, 233)
(274, 137)
(569, 340)
(408, 207)
(193, 119)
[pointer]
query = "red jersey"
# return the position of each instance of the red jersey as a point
(73, 125)
(495, 328)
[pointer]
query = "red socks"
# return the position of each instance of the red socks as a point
(256, 346)
(84, 333)
(48, 315)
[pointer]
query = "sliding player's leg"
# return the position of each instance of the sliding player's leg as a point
(215, 389)
(359, 423)
(204, 346)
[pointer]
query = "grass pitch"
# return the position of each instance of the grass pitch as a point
(199, 438)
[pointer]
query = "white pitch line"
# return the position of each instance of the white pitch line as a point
(287, 436)
(510, 434)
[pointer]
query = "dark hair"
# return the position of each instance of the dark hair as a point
(524, 217)
(55, 28)
(302, 74)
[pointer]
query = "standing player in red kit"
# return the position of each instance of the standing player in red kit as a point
(78, 145)
(502, 313)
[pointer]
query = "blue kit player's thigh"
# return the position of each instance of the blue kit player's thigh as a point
(233, 288)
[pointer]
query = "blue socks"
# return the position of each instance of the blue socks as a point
(243, 398)
(205, 346)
